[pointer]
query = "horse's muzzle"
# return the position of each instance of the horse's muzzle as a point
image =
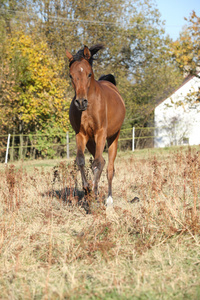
(81, 104)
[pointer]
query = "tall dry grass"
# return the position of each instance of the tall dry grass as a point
(53, 245)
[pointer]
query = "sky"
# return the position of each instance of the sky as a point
(174, 11)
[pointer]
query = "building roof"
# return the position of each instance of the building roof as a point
(185, 80)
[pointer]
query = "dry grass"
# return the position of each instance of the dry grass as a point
(51, 248)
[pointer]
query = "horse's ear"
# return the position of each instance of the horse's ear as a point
(86, 53)
(69, 55)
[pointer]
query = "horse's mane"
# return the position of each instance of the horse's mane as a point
(80, 54)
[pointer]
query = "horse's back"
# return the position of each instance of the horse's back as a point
(115, 107)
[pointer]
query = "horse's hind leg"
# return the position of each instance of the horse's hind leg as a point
(112, 152)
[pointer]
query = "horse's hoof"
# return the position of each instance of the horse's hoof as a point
(109, 201)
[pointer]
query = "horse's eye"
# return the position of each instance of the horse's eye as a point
(90, 74)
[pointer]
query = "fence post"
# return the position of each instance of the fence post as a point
(21, 146)
(7, 149)
(133, 138)
(12, 148)
(67, 138)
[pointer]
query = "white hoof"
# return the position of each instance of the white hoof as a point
(109, 201)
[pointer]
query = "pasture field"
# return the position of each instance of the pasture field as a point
(53, 245)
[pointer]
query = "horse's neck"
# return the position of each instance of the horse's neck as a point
(94, 88)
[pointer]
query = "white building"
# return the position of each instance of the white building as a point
(177, 118)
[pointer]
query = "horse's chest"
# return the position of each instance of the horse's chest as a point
(88, 126)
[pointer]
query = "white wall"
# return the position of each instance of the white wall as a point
(177, 119)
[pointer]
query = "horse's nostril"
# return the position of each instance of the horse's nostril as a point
(85, 102)
(77, 103)
(81, 104)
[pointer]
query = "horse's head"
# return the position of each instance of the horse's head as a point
(81, 74)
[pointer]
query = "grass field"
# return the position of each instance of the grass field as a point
(52, 248)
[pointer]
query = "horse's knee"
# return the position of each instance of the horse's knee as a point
(98, 164)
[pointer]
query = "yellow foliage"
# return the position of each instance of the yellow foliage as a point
(41, 91)
(186, 48)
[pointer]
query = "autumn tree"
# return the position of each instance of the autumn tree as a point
(74, 23)
(33, 90)
(136, 49)
(150, 70)
(186, 50)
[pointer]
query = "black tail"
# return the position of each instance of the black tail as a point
(94, 49)
(108, 77)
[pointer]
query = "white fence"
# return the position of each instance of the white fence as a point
(45, 145)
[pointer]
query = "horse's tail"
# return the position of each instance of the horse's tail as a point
(108, 77)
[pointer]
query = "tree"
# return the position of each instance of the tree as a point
(186, 50)
(149, 67)
(33, 90)
(136, 50)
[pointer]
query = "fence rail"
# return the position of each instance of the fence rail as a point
(44, 145)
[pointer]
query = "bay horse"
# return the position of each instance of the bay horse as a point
(96, 114)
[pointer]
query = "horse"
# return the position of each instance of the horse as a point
(96, 114)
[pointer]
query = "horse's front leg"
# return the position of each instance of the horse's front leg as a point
(99, 162)
(81, 142)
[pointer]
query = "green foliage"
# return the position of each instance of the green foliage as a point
(47, 140)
